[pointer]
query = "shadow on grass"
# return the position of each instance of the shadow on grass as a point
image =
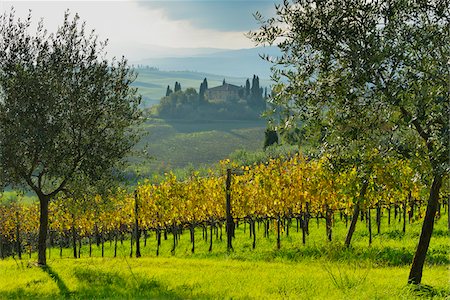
(97, 284)
(63, 289)
(19, 293)
(425, 291)
(33, 288)
(383, 256)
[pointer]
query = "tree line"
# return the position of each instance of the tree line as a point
(248, 102)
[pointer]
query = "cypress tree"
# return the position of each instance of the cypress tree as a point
(177, 87)
(202, 90)
(247, 88)
(168, 91)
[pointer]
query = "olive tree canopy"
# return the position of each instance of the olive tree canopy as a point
(65, 110)
(374, 71)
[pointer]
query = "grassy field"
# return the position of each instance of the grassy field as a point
(317, 270)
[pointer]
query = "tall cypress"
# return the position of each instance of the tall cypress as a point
(177, 87)
(247, 88)
(168, 91)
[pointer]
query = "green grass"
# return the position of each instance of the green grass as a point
(317, 270)
(10, 196)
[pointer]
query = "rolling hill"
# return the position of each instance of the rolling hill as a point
(152, 83)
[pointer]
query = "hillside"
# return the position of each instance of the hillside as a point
(152, 83)
(175, 144)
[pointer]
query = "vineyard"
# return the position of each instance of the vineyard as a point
(272, 195)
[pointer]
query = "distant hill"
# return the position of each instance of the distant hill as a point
(175, 144)
(231, 63)
(152, 83)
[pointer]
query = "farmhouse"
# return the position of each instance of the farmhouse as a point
(224, 91)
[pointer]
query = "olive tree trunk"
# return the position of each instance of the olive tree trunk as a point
(356, 210)
(43, 229)
(415, 274)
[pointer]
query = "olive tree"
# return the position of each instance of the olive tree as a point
(65, 110)
(383, 60)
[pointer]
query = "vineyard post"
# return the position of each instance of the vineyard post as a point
(303, 226)
(389, 214)
(211, 234)
(378, 217)
(254, 232)
(191, 230)
(19, 250)
(369, 218)
(61, 243)
(174, 233)
(306, 219)
(136, 228)
(278, 232)
(74, 237)
(90, 246)
(205, 230)
(158, 239)
(230, 223)
(328, 214)
(115, 243)
(102, 241)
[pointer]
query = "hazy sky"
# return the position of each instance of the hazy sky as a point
(134, 28)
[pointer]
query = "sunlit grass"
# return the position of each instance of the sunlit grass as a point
(317, 270)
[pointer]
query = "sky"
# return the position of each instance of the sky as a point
(139, 29)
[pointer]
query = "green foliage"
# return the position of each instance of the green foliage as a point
(365, 75)
(248, 158)
(270, 137)
(246, 104)
(65, 112)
